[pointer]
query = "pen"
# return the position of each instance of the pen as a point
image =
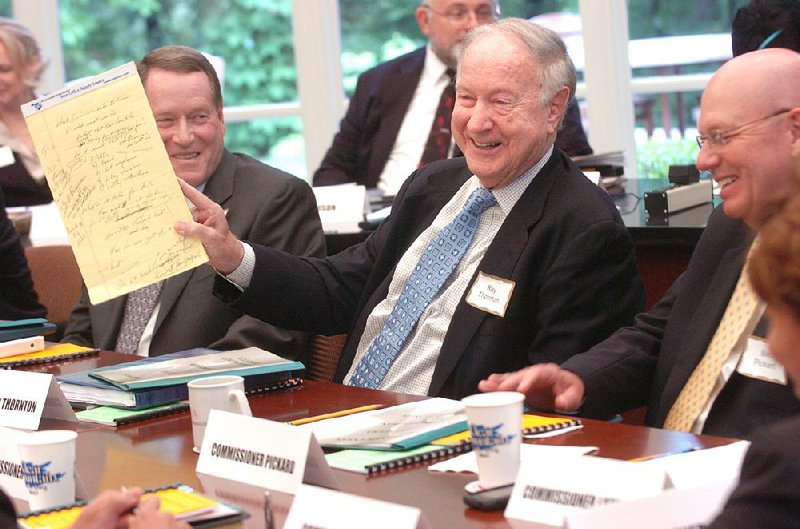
(340, 413)
(665, 454)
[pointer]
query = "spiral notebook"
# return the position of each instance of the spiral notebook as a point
(532, 425)
(183, 502)
(52, 353)
(374, 461)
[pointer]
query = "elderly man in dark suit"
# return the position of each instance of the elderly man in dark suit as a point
(490, 262)
(685, 359)
(383, 136)
(261, 204)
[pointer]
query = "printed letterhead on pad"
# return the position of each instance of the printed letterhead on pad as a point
(113, 183)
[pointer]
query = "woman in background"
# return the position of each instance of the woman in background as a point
(21, 176)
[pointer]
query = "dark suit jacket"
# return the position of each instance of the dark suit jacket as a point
(650, 362)
(768, 494)
(369, 128)
(563, 245)
(263, 204)
(18, 299)
(8, 516)
(20, 188)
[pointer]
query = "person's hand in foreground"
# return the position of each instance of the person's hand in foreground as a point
(147, 516)
(546, 386)
(109, 510)
(225, 252)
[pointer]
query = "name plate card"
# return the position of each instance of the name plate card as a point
(700, 467)
(674, 509)
(26, 398)
(264, 453)
(548, 490)
(264, 507)
(341, 208)
(318, 508)
(10, 464)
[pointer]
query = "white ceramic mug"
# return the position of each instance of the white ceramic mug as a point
(495, 424)
(218, 393)
(48, 467)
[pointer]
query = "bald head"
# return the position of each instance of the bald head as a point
(750, 127)
(759, 80)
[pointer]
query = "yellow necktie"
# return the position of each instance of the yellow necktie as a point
(739, 319)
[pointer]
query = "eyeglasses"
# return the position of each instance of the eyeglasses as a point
(717, 138)
(460, 15)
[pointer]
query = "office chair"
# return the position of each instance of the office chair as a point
(57, 280)
(325, 352)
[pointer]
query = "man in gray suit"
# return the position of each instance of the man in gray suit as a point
(262, 204)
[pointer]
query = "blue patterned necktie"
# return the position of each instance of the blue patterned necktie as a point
(436, 264)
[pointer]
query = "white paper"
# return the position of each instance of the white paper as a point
(466, 462)
(316, 507)
(548, 489)
(341, 208)
(384, 427)
(259, 452)
(32, 344)
(673, 509)
(27, 397)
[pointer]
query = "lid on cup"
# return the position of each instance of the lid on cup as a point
(46, 437)
(493, 398)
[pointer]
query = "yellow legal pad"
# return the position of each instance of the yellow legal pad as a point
(531, 425)
(51, 353)
(180, 501)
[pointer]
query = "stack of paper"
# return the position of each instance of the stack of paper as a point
(23, 336)
(396, 428)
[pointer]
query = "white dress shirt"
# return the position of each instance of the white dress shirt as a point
(416, 127)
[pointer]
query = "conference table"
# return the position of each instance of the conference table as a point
(159, 451)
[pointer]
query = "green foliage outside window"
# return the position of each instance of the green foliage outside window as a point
(254, 37)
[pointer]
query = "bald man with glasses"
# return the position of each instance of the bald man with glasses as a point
(696, 359)
(399, 116)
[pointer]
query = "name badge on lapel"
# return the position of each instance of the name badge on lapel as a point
(757, 363)
(490, 294)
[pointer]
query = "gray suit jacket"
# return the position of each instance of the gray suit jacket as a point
(264, 205)
(650, 362)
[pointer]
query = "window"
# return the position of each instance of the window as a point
(252, 37)
(662, 43)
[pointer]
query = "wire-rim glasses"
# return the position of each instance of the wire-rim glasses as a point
(460, 15)
(717, 138)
